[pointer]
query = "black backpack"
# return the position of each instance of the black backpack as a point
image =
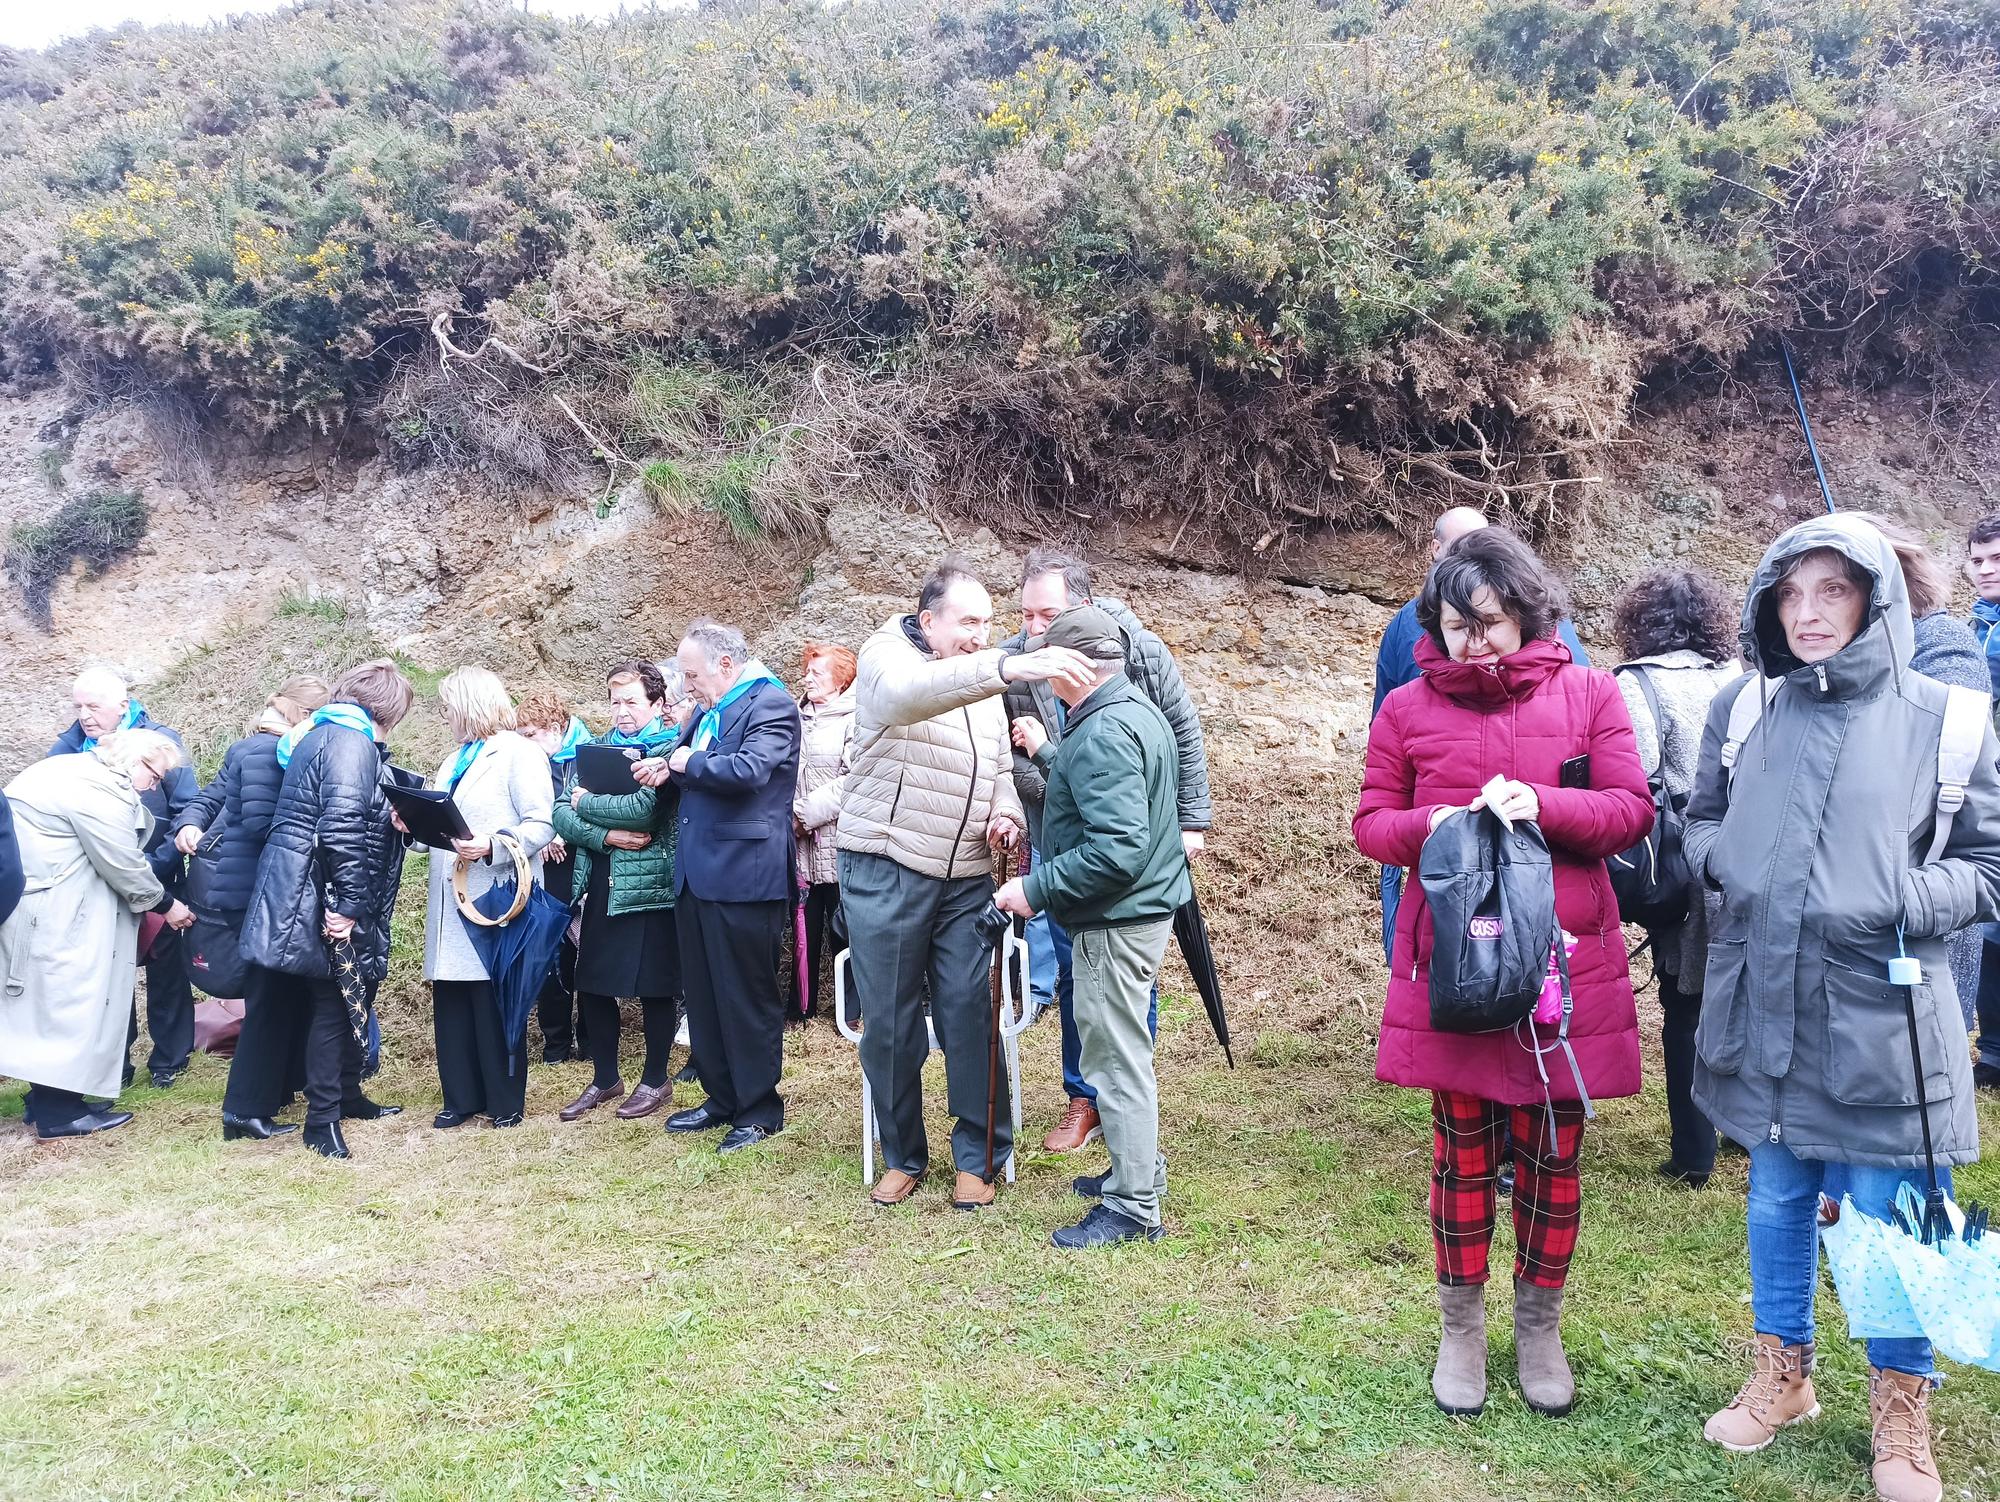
(1651, 880)
(1492, 896)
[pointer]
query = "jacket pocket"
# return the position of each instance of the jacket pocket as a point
(743, 829)
(1722, 1036)
(1868, 1059)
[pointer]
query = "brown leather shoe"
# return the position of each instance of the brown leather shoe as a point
(646, 1100)
(971, 1192)
(894, 1187)
(590, 1100)
(1078, 1128)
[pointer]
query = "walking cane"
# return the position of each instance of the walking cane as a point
(1003, 872)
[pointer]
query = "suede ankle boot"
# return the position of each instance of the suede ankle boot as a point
(1458, 1381)
(1778, 1395)
(1899, 1410)
(1546, 1383)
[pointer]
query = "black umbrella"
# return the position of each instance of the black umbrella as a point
(353, 989)
(518, 953)
(1191, 933)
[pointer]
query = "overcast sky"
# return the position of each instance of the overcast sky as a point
(36, 23)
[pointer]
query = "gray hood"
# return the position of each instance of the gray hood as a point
(1880, 651)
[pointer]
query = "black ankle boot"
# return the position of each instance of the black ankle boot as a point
(361, 1108)
(257, 1128)
(325, 1139)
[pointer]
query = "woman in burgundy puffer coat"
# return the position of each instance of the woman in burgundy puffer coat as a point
(1500, 697)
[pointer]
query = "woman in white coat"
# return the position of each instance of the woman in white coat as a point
(69, 952)
(500, 781)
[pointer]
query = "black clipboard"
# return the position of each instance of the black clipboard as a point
(429, 814)
(607, 769)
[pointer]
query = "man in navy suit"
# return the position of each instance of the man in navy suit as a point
(735, 768)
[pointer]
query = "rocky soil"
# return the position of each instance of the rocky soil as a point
(548, 588)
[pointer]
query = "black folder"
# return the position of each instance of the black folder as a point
(429, 814)
(607, 769)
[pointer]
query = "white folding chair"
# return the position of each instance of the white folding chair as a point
(1015, 1015)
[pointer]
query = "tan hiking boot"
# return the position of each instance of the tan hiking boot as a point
(1078, 1128)
(894, 1187)
(971, 1192)
(1778, 1395)
(1899, 1408)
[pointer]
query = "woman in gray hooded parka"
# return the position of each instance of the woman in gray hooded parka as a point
(1820, 843)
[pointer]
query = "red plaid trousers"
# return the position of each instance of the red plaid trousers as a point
(1468, 1136)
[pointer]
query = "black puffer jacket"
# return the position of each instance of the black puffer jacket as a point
(330, 845)
(234, 812)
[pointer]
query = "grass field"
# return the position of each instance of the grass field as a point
(597, 1311)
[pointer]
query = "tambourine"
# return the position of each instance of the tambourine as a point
(523, 879)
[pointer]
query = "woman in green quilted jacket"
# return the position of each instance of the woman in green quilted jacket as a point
(623, 847)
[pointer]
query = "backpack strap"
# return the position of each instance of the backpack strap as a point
(1959, 743)
(1745, 711)
(1646, 691)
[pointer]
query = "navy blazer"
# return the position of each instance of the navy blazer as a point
(736, 803)
(11, 881)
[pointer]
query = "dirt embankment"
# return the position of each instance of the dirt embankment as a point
(548, 589)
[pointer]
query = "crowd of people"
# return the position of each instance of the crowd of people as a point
(1820, 761)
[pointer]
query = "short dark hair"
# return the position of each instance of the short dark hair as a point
(1675, 610)
(1075, 572)
(634, 670)
(1986, 529)
(1492, 558)
(938, 582)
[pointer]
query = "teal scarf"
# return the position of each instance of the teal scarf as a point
(651, 738)
(352, 716)
(710, 724)
(577, 734)
(134, 713)
(467, 755)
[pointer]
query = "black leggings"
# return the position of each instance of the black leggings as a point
(1692, 1143)
(659, 1016)
(822, 908)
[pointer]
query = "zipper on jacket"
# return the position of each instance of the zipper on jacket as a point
(971, 789)
(1819, 671)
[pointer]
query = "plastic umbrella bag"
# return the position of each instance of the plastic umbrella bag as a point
(1892, 1286)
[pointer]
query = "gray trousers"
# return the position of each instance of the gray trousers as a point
(1114, 970)
(907, 933)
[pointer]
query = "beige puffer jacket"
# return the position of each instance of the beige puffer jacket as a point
(931, 764)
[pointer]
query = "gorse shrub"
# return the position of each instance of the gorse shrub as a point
(1262, 267)
(98, 528)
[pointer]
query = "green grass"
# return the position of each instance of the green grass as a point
(599, 1311)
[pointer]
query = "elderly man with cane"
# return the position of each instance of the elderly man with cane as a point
(929, 793)
(1113, 871)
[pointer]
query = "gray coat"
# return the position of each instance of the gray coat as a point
(1686, 683)
(506, 789)
(1949, 652)
(1150, 665)
(1817, 851)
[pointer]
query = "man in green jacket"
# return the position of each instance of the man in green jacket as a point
(1113, 872)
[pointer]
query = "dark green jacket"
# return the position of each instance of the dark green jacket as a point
(641, 880)
(1111, 829)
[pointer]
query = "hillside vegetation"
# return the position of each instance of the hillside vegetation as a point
(1253, 269)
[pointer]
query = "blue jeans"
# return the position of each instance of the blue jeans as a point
(1784, 1243)
(1988, 1006)
(1051, 968)
(1392, 899)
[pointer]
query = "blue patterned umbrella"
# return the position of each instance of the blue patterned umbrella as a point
(518, 954)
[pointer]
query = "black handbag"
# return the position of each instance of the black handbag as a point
(1651, 880)
(215, 956)
(1492, 898)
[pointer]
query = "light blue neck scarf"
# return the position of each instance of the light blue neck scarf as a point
(134, 713)
(577, 734)
(352, 716)
(710, 724)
